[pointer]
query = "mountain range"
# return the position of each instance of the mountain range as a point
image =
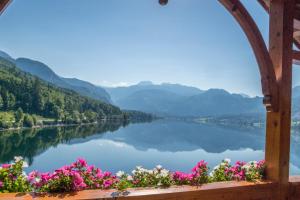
(164, 99)
(183, 101)
(45, 73)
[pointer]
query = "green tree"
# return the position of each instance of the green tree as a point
(28, 121)
(11, 101)
(1, 102)
(38, 101)
(90, 116)
(19, 115)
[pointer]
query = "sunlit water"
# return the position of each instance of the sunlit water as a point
(177, 145)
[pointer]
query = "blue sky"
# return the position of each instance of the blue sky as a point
(121, 42)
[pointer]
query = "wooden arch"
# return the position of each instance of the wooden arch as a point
(3, 5)
(267, 73)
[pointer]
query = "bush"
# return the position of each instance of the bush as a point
(5, 124)
(28, 121)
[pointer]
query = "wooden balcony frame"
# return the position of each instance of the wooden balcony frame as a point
(275, 67)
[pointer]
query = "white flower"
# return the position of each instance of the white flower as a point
(139, 167)
(227, 160)
(164, 172)
(133, 172)
(24, 174)
(148, 171)
(129, 178)
(216, 167)
(247, 166)
(25, 164)
(159, 167)
(120, 173)
(37, 179)
(18, 158)
(211, 174)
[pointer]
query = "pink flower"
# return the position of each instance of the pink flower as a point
(107, 184)
(78, 181)
(80, 163)
(1, 184)
(6, 166)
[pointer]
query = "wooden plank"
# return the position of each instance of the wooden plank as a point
(3, 5)
(296, 57)
(213, 191)
(294, 188)
(268, 79)
(277, 151)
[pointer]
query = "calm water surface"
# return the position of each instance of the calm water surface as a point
(177, 145)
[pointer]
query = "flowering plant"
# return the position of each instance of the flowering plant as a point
(222, 171)
(79, 176)
(240, 171)
(141, 177)
(198, 176)
(12, 177)
(255, 170)
(74, 177)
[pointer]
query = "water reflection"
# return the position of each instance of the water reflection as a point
(111, 146)
(29, 143)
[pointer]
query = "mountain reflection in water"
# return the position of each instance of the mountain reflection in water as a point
(177, 145)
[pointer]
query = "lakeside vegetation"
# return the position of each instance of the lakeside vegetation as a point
(27, 101)
(29, 143)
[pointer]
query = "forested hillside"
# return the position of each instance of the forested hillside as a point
(23, 96)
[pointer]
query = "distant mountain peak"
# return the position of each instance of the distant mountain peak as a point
(145, 83)
(6, 56)
(216, 91)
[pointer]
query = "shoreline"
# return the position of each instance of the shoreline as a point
(59, 125)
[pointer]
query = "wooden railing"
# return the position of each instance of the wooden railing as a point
(213, 191)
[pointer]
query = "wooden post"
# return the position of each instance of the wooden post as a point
(279, 123)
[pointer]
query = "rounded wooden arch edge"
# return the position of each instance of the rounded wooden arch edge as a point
(266, 69)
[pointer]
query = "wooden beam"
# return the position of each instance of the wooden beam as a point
(3, 5)
(294, 188)
(214, 191)
(265, 5)
(277, 152)
(268, 79)
(296, 57)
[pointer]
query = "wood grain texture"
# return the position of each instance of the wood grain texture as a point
(3, 5)
(213, 191)
(268, 79)
(277, 151)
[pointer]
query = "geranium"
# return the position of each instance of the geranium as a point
(12, 177)
(254, 170)
(181, 178)
(222, 172)
(200, 173)
(79, 176)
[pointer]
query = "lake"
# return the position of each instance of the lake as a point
(176, 145)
